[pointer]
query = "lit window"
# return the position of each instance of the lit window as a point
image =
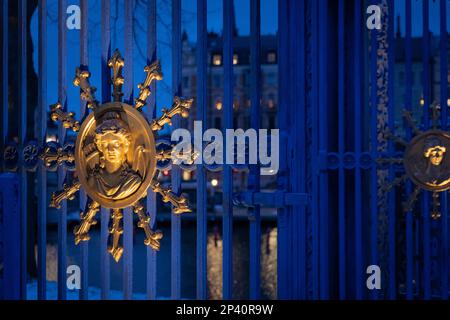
(235, 59)
(422, 102)
(217, 59)
(448, 102)
(186, 175)
(271, 57)
(219, 105)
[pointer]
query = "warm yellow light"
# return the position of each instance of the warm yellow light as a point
(214, 182)
(51, 138)
(448, 102)
(217, 59)
(422, 101)
(219, 105)
(235, 59)
(186, 175)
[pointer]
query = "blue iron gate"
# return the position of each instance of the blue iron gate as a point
(339, 189)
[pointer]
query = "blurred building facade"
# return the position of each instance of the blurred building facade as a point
(242, 98)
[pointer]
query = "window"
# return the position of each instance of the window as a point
(271, 122)
(217, 59)
(217, 81)
(271, 79)
(185, 81)
(271, 57)
(217, 123)
(401, 78)
(235, 59)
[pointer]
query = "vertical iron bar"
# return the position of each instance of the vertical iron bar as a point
(426, 108)
(151, 109)
(444, 197)
(227, 216)
(282, 217)
(341, 147)
(357, 140)
(128, 96)
(41, 172)
(391, 114)
(373, 149)
(62, 98)
(202, 217)
(83, 294)
(315, 150)
(408, 103)
(22, 140)
(106, 96)
(322, 148)
(299, 159)
(176, 171)
(254, 177)
(5, 73)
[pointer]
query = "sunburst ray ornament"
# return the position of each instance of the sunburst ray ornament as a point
(115, 155)
(426, 160)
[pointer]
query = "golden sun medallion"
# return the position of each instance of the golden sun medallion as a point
(426, 161)
(115, 155)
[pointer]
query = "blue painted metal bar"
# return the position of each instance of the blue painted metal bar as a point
(254, 176)
(295, 125)
(41, 170)
(341, 148)
(315, 94)
(84, 245)
(358, 226)
(443, 101)
(176, 171)
(373, 150)
(300, 158)
(127, 267)
(322, 145)
(408, 103)
(227, 217)
(426, 196)
(283, 88)
(391, 114)
(62, 98)
(5, 73)
(291, 78)
(106, 96)
(23, 30)
(202, 226)
(151, 109)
